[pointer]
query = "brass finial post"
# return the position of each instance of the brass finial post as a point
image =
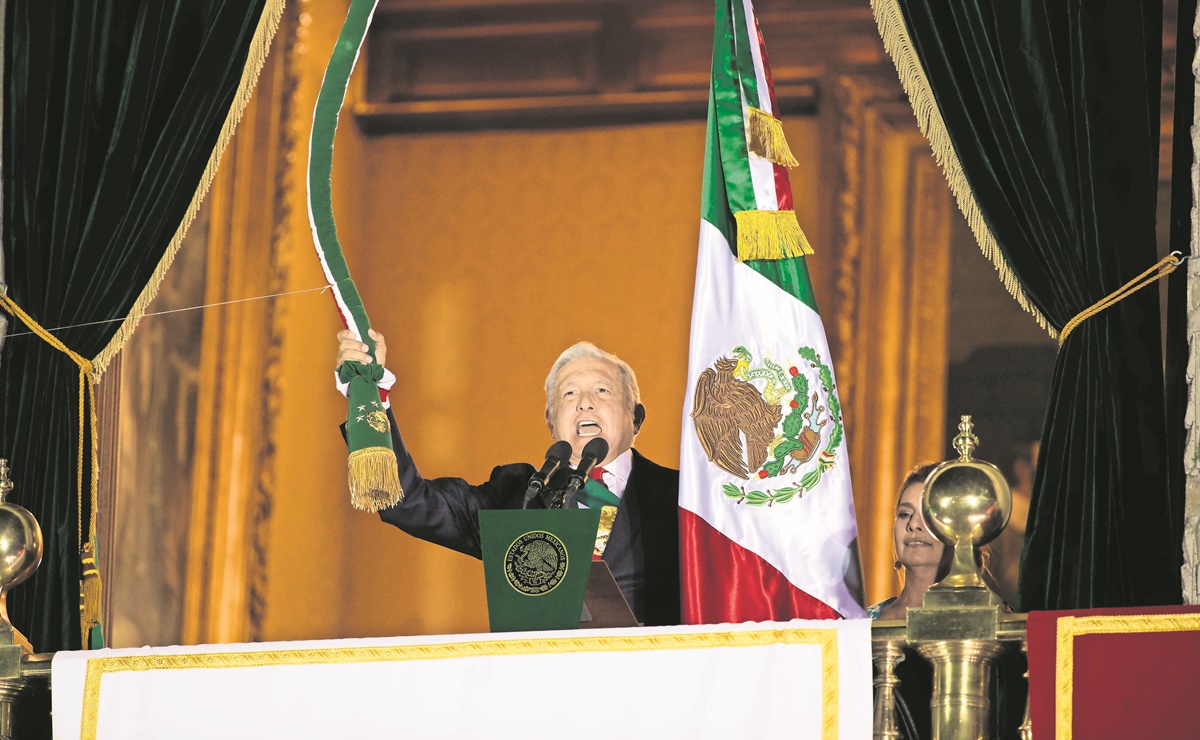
(966, 441)
(966, 503)
(886, 656)
(20, 555)
(20, 546)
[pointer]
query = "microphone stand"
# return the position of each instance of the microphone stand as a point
(535, 488)
(593, 453)
(558, 455)
(565, 499)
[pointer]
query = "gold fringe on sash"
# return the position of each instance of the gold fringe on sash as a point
(373, 479)
(268, 23)
(770, 235)
(896, 41)
(767, 139)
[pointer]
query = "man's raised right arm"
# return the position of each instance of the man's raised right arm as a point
(444, 511)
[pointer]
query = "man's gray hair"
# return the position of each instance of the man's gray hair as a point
(581, 350)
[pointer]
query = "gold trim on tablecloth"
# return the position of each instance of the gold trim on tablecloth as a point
(825, 639)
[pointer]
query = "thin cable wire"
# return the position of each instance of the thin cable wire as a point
(322, 289)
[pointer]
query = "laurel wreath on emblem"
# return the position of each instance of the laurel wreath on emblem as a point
(728, 407)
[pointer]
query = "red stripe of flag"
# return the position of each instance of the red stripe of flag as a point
(737, 585)
(783, 186)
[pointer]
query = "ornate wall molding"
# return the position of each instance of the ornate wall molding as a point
(470, 64)
(892, 299)
(240, 367)
(287, 138)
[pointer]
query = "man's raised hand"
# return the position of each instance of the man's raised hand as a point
(353, 350)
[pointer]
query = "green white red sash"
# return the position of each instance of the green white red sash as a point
(372, 477)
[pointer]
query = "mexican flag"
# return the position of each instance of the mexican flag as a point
(767, 522)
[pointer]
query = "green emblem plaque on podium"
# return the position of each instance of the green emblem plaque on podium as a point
(535, 566)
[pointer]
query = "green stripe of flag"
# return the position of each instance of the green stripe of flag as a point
(791, 274)
(743, 55)
(725, 97)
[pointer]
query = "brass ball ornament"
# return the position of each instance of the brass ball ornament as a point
(20, 542)
(967, 503)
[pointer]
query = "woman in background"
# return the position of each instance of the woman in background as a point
(924, 558)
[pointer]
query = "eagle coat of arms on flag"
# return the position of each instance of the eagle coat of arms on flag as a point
(761, 422)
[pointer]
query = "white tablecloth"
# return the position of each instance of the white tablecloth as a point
(802, 679)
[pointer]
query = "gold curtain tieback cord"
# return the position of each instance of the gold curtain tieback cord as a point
(1161, 269)
(89, 576)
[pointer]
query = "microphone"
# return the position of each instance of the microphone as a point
(593, 452)
(558, 454)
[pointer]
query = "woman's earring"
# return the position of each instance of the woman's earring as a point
(896, 565)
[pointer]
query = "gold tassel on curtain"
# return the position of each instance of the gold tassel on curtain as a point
(90, 589)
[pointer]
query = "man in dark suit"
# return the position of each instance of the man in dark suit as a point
(589, 393)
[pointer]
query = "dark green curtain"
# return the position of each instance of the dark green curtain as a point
(1052, 107)
(111, 113)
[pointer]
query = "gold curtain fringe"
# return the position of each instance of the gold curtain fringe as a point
(91, 370)
(767, 139)
(373, 479)
(268, 23)
(770, 235)
(896, 41)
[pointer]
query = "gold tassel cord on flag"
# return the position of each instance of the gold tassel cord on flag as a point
(767, 139)
(1160, 270)
(898, 44)
(89, 577)
(373, 479)
(256, 55)
(770, 235)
